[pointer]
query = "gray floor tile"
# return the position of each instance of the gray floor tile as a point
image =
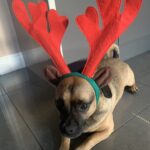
(38, 68)
(37, 108)
(41, 115)
(33, 99)
(1, 90)
(13, 81)
(145, 116)
(7, 142)
(131, 103)
(18, 79)
(145, 79)
(14, 134)
(135, 135)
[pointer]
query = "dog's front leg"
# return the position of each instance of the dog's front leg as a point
(65, 143)
(94, 139)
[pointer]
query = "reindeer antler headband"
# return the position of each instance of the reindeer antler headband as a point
(99, 39)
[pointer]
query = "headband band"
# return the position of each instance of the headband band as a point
(90, 80)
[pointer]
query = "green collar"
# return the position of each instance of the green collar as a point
(90, 80)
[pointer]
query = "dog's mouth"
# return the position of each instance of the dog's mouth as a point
(72, 136)
(71, 131)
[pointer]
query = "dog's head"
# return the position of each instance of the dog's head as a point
(75, 100)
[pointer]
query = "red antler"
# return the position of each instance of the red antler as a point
(37, 28)
(114, 24)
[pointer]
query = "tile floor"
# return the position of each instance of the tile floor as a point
(29, 120)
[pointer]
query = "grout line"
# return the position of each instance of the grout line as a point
(145, 108)
(36, 139)
(116, 130)
(23, 84)
(133, 117)
(141, 118)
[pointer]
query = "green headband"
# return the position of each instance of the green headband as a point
(90, 80)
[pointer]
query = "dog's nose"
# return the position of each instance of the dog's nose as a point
(70, 129)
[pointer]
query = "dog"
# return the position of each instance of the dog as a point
(76, 101)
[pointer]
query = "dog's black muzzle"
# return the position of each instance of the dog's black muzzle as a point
(71, 126)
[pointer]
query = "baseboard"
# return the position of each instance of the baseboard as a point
(11, 63)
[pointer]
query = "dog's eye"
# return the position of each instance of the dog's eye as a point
(61, 106)
(83, 107)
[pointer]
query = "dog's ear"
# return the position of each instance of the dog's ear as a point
(103, 77)
(52, 74)
(106, 91)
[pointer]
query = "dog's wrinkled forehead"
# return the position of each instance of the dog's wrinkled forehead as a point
(74, 88)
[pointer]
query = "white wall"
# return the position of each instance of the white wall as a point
(133, 42)
(136, 39)
(8, 39)
(30, 49)
(74, 44)
(10, 56)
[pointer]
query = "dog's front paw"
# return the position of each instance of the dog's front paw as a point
(78, 149)
(82, 148)
(62, 147)
(65, 143)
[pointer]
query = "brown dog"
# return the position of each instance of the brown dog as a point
(75, 99)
